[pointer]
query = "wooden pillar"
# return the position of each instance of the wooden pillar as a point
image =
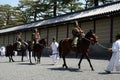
(57, 33)
(67, 30)
(94, 24)
(47, 35)
(25, 35)
(4, 38)
(111, 29)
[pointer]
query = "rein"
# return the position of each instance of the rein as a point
(86, 39)
(101, 45)
(97, 44)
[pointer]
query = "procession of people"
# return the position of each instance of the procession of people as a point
(78, 33)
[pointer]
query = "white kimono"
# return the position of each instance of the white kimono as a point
(115, 59)
(2, 50)
(55, 53)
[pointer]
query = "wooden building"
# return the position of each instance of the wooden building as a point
(104, 20)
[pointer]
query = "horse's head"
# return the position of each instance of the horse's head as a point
(43, 42)
(92, 37)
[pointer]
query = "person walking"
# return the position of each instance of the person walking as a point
(55, 54)
(114, 62)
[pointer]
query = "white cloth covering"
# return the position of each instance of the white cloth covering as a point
(55, 53)
(115, 59)
(2, 51)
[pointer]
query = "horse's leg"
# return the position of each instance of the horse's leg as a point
(34, 54)
(81, 58)
(12, 59)
(22, 56)
(64, 61)
(9, 58)
(39, 57)
(30, 56)
(89, 62)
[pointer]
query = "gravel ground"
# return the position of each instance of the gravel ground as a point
(48, 71)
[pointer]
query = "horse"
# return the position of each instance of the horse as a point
(20, 48)
(10, 52)
(65, 47)
(30, 49)
(38, 48)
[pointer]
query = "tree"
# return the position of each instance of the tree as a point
(6, 15)
(95, 3)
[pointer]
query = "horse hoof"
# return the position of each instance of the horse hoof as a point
(78, 67)
(66, 67)
(13, 61)
(63, 65)
(92, 69)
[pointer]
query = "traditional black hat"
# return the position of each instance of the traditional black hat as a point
(118, 35)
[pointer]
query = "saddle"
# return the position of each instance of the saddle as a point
(74, 43)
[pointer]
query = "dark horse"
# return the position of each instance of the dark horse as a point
(10, 52)
(82, 47)
(36, 49)
(30, 49)
(22, 49)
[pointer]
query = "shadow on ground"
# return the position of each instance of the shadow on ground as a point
(64, 69)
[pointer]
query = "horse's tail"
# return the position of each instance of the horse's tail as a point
(60, 48)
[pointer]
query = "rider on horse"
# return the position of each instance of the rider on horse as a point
(19, 39)
(77, 33)
(35, 36)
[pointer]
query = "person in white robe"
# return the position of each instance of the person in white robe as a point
(55, 53)
(114, 63)
(2, 51)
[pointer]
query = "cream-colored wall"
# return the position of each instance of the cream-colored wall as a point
(62, 32)
(116, 25)
(86, 26)
(70, 27)
(11, 38)
(43, 33)
(28, 35)
(6, 39)
(1, 40)
(103, 30)
(51, 34)
(24, 35)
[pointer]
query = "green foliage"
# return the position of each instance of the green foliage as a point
(33, 10)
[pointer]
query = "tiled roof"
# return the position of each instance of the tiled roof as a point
(106, 9)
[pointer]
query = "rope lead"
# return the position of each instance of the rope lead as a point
(101, 45)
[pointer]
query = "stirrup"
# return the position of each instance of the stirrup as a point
(74, 45)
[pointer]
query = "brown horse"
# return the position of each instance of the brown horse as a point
(65, 48)
(38, 48)
(30, 49)
(9, 52)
